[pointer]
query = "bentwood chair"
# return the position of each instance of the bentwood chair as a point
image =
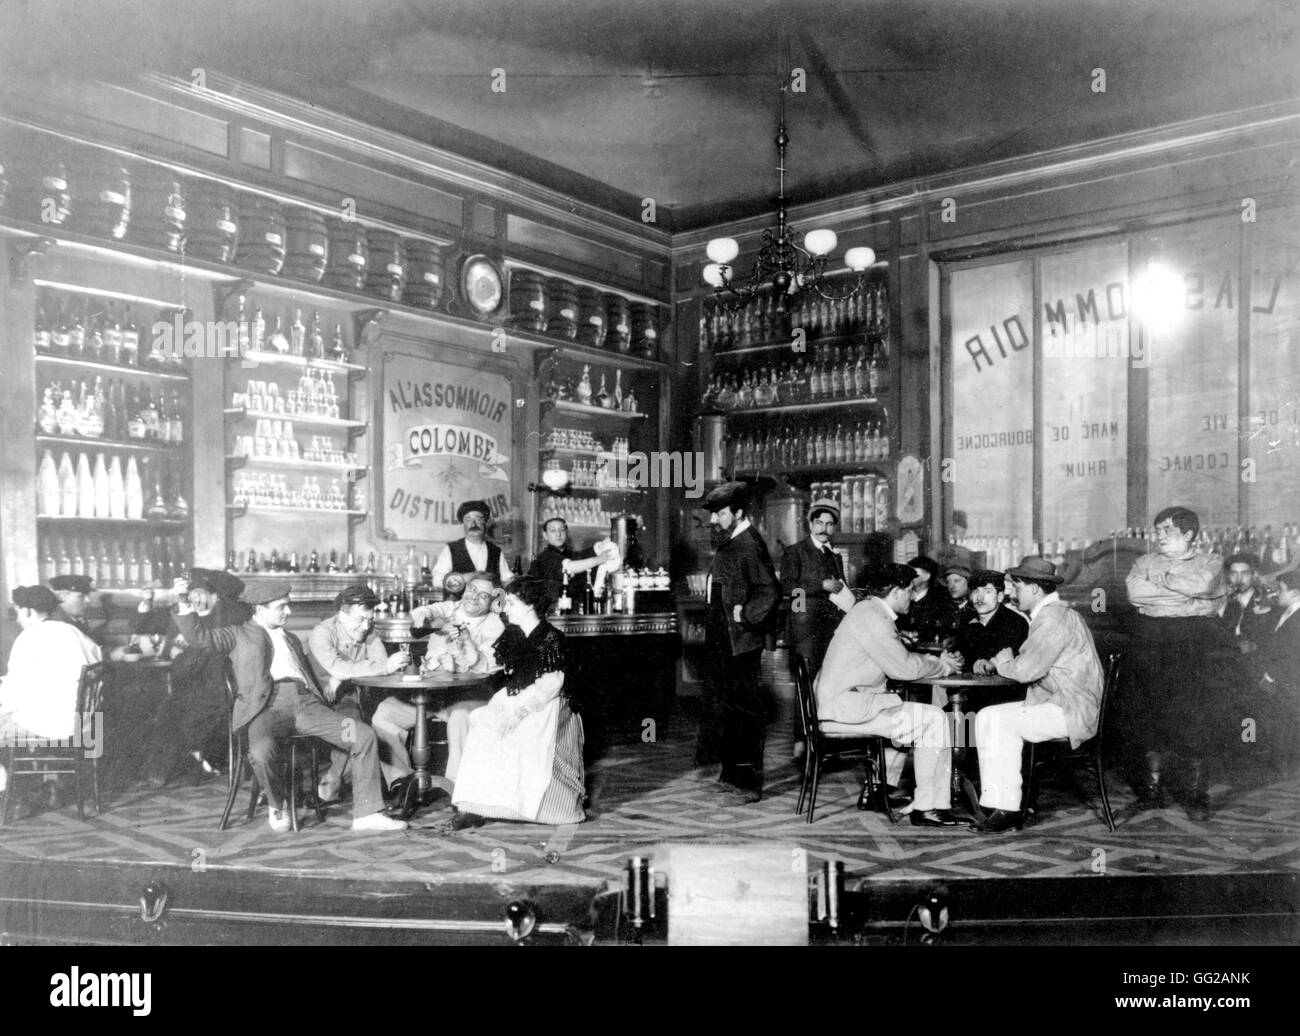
(1090, 752)
(80, 758)
(825, 746)
(237, 757)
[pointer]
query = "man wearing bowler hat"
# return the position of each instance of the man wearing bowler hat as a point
(812, 576)
(473, 552)
(743, 598)
(278, 695)
(1059, 663)
(73, 593)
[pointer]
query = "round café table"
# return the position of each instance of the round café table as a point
(966, 692)
(421, 690)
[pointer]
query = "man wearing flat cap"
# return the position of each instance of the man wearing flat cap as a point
(1059, 663)
(812, 577)
(73, 594)
(473, 552)
(278, 694)
(38, 695)
(743, 600)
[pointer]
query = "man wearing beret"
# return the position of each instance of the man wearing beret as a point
(853, 696)
(1059, 663)
(73, 595)
(812, 577)
(474, 552)
(278, 694)
(744, 597)
(991, 625)
(38, 695)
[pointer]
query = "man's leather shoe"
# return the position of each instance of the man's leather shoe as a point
(397, 790)
(935, 818)
(732, 797)
(999, 820)
(461, 821)
(898, 798)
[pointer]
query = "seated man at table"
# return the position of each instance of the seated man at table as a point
(278, 695)
(73, 594)
(1059, 663)
(38, 695)
(471, 618)
(341, 647)
(992, 626)
(852, 698)
(930, 616)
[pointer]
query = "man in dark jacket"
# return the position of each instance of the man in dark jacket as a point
(743, 597)
(991, 626)
(812, 577)
(74, 593)
(1248, 615)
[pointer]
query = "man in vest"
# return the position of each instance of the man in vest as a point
(474, 552)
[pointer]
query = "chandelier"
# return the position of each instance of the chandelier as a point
(781, 262)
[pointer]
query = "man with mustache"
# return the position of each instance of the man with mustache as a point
(474, 552)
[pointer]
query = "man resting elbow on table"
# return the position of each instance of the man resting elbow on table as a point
(852, 697)
(1059, 663)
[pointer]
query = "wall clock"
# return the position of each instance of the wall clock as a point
(911, 491)
(481, 285)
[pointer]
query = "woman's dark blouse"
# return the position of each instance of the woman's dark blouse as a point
(525, 659)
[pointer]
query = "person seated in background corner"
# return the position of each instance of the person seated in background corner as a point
(852, 697)
(1247, 612)
(1279, 657)
(472, 629)
(931, 614)
(38, 694)
(992, 626)
(523, 752)
(73, 595)
(278, 695)
(1059, 662)
(812, 577)
(956, 578)
(341, 647)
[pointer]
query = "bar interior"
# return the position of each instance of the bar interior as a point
(676, 442)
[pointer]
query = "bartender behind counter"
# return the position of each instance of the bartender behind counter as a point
(473, 552)
(558, 557)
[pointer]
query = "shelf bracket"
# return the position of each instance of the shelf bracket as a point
(223, 292)
(366, 325)
(20, 252)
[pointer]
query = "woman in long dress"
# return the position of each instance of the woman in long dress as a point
(523, 754)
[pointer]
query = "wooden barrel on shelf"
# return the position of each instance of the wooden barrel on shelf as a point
(213, 222)
(349, 254)
(43, 191)
(157, 208)
(618, 323)
(528, 300)
(261, 234)
(561, 308)
(423, 274)
(102, 187)
(306, 244)
(645, 329)
(591, 317)
(386, 274)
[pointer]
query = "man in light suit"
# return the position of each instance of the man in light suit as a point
(852, 697)
(278, 694)
(1059, 663)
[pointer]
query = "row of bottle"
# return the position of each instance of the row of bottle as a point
(321, 451)
(90, 327)
(586, 511)
(582, 392)
(591, 474)
(833, 372)
(266, 489)
(1275, 551)
(392, 566)
(105, 489)
(119, 412)
(761, 321)
(115, 563)
(617, 594)
(863, 501)
(290, 336)
(579, 439)
(824, 443)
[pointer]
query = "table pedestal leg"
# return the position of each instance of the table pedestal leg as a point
(958, 700)
(419, 790)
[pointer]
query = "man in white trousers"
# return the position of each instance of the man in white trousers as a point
(1059, 664)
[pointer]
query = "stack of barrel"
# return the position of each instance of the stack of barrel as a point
(43, 191)
(618, 323)
(213, 217)
(261, 234)
(387, 271)
(306, 245)
(423, 274)
(562, 308)
(591, 317)
(349, 254)
(101, 187)
(529, 301)
(157, 208)
(645, 329)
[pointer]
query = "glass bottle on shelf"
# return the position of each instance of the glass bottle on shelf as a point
(297, 335)
(76, 329)
(41, 330)
(115, 338)
(277, 341)
(257, 331)
(47, 417)
(85, 488)
(48, 486)
(59, 333)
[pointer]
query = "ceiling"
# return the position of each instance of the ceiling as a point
(675, 100)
